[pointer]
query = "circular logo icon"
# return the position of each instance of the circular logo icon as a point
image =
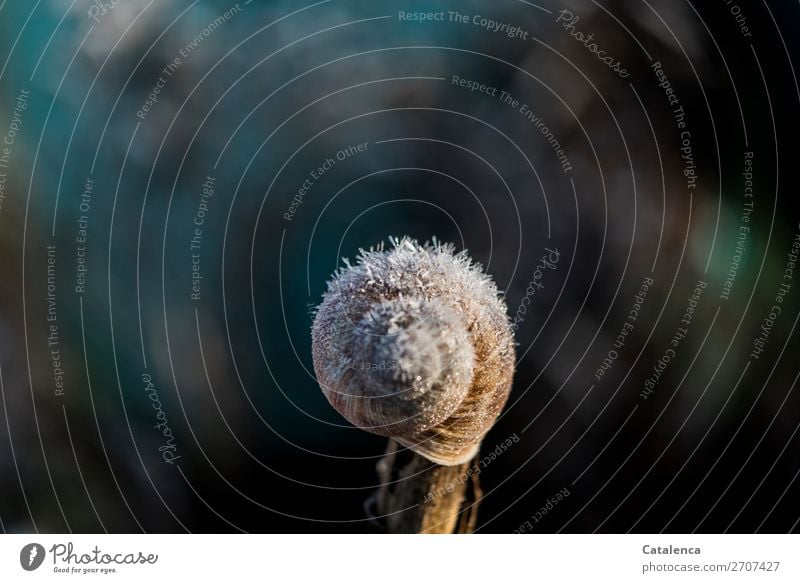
(31, 556)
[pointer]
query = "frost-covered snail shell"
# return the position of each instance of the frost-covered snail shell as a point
(414, 343)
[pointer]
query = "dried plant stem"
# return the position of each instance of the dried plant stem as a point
(419, 496)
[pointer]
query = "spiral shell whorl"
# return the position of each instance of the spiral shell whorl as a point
(414, 343)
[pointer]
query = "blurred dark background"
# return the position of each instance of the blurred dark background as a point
(266, 92)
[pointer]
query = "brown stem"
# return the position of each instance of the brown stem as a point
(419, 496)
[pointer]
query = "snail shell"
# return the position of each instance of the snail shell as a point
(414, 343)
